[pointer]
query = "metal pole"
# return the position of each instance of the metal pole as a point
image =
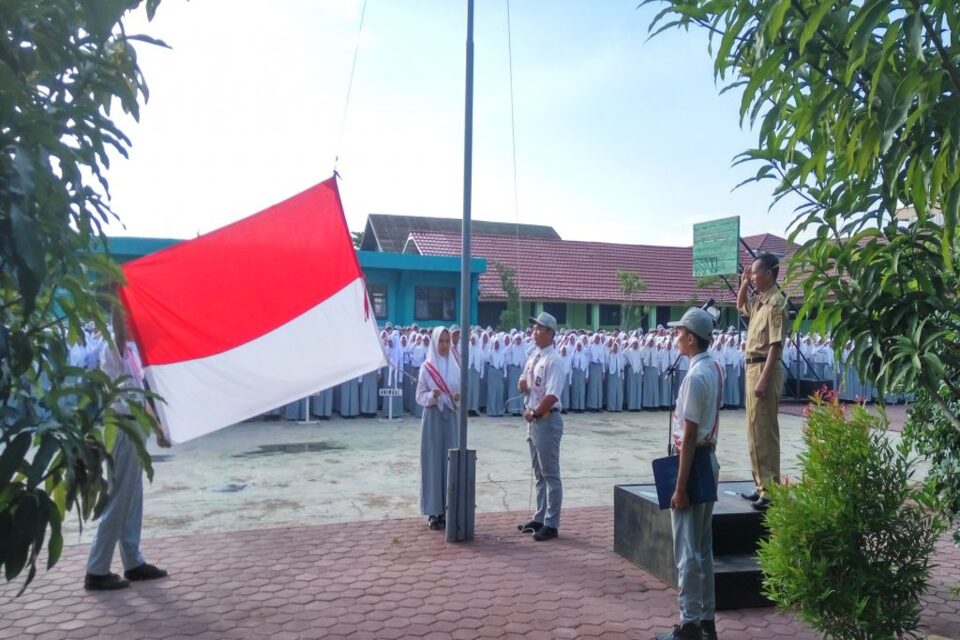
(460, 478)
(465, 258)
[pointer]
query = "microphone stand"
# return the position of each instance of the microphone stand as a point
(672, 371)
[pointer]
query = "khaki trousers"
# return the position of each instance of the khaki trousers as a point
(763, 428)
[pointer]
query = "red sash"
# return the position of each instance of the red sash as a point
(716, 423)
(438, 380)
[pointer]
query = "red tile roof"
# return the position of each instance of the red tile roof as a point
(569, 270)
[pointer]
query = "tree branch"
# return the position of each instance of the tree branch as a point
(948, 63)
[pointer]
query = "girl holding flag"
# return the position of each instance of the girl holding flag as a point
(438, 392)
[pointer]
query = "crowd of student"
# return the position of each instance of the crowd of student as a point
(605, 371)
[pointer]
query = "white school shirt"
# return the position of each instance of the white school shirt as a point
(545, 377)
(699, 400)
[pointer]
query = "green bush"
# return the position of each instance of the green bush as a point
(850, 543)
(929, 432)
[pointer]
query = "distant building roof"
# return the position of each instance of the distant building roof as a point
(389, 233)
(569, 270)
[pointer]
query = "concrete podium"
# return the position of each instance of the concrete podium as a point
(643, 535)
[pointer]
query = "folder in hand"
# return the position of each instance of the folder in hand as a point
(701, 485)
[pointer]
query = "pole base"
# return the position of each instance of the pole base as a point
(461, 494)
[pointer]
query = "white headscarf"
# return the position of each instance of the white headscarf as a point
(446, 366)
(633, 356)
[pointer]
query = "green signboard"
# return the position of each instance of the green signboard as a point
(716, 247)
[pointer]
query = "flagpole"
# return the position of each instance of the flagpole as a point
(461, 466)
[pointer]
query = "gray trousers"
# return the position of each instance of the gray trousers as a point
(543, 437)
(122, 519)
(693, 551)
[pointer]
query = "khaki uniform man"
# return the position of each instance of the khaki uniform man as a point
(766, 335)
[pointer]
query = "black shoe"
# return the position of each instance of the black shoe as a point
(545, 533)
(144, 572)
(761, 505)
(709, 629)
(109, 582)
(434, 523)
(442, 521)
(530, 527)
(750, 497)
(685, 631)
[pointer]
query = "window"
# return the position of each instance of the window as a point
(435, 303)
(610, 314)
(488, 313)
(558, 310)
(378, 299)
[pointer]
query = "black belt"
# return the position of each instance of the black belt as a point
(756, 360)
(710, 446)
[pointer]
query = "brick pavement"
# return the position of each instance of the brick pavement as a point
(394, 579)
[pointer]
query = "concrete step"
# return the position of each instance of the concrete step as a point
(643, 534)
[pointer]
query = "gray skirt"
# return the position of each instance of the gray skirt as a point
(634, 389)
(651, 388)
(437, 435)
(595, 387)
(578, 391)
(515, 402)
(495, 384)
(322, 403)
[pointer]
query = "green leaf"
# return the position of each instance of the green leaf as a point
(913, 27)
(12, 456)
(776, 18)
(49, 446)
(813, 23)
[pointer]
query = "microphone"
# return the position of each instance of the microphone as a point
(710, 307)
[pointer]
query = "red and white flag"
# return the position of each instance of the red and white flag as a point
(253, 315)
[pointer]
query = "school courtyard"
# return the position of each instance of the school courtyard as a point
(284, 531)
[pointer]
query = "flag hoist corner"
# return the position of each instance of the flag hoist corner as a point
(254, 315)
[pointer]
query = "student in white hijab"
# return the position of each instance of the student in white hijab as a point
(633, 376)
(580, 366)
(496, 375)
(666, 380)
(438, 392)
(418, 355)
(651, 374)
(566, 360)
(476, 373)
(515, 355)
(595, 375)
(614, 371)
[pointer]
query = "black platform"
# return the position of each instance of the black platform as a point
(643, 535)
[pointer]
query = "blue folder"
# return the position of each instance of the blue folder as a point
(701, 485)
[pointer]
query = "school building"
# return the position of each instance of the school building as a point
(576, 281)
(412, 268)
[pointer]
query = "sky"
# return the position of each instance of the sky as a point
(618, 138)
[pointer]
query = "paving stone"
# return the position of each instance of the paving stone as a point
(239, 586)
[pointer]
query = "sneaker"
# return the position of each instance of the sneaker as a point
(434, 523)
(109, 582)
(750, 497)
(144, 572)
(685, 631)
(761, 505)
(545, 533)
(530, 527)
(709, 629)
